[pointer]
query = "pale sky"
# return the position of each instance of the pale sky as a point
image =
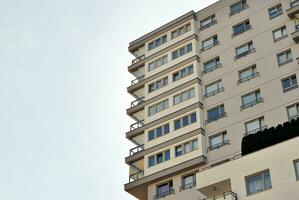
(63, 79)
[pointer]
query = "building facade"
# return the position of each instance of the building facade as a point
(203, 82)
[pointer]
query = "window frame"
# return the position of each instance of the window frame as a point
(190, 95)
(217, 65)
(155, 132)
(155, 156)
(182, 51)
(292, 86)
(256, 101)
(286, 53)
(164, 81)
(262, 125)
(281, 30)
(179, 121)
(296, 170)
(250, 50)
(215, 43)
(163, 59)
(177, 31)
(180, 75)
(156, 107)
(223, 135)
(280, 11)
(244, 5)
(214, 92)
(263, 174)
(220, 115)
(206, 26)
(246, 24)
(182, 148)
(155, 42)
(296, 105)
(254, 74)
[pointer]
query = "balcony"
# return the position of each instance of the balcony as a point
(241, 55)
(295, 35)
(294, 9)
(251, 104)
(137, 125)
(137, 80)
(248, 78)
(138, 59)
(255, 130)
(230, 195)
(213, 93)
(136, 149)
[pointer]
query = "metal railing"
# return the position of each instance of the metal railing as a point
(294, 3)
(252, 103)
(136, 149)
(213, 93)
(247, 28)
(255, 130)
(221, 115)
(224, 195)
(208, 25)
(247, 78)
(137, 102)
(244, 53)
(136, 125)
(244, 6)
(138, 59)
(217, 146)
(218, 65)
(137, 80)
(164, 194)
(188, 186)
(210, 46)
(136, 176)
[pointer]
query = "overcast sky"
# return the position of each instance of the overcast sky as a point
(63, 79)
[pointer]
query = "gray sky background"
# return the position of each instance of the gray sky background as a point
(63, 79)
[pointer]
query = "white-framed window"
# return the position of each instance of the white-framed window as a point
(159, 107)
(157, 63)
(208, 22)
(182, 73)
(247, 74)
(293, 111)
(186, 148)
(211, 65)
(188, 181)
(275, 11)
(238, 7)
(164, 190)
(181, 30)
(215, 113)
(289, 83)
(251, 99)
(184, 96)
(284, 57)
(255, 126)
(280, 33)
(244, 50)
(214, 88)
(157, 42)
(158, 84)
(241, 27)
(158, 132)
(218, 140)
(258, 182)
(209, 43)
(159, 158)
(185, 121)
(296, 165)
(181, 51)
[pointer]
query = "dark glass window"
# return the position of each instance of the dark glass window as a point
(193, 117)
(166, 129)
(177, 124)
(185, 121)
(167, 155)
(151, 135)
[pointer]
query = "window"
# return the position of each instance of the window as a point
(248, 74)
(209, 43)
(218, 140)
(159, 107)
(182, 73)
(158, 132)
(280, 33)
(275, 11)
(296, 163)
(164, 190)
(186, 148)
(184, 96)
(188, 181)
(251, 99)
(244, 50)
(241, 28)
(238, 7)
(185, 121)
(215, 113)
(208, 22)
(182, 51)
(254, 126)
(157, 42)
(284, 57)
(211, 65)
(289, 83)
(214, 88)
(180, 31)
(293, 111)
(157, 63)
(158, 84)
(159, 158)
(258, 182)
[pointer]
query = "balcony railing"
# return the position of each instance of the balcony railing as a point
(244, 6)
(136, 125)
(224, 195)
(210, 46)
(213, 93)
(188, 186)
(136, 149)
(136, 176)
(137, 80)
(137, 102)
(208, 25)
(164, 194)
(246, 28)
(138, 59)
(212, 119)
(245, 53)
(255, 130)
(294, 3)
(247, 78)
(217, 146)
(252, 103)
(218, 65)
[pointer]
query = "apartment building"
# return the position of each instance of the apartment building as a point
(203, 82)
